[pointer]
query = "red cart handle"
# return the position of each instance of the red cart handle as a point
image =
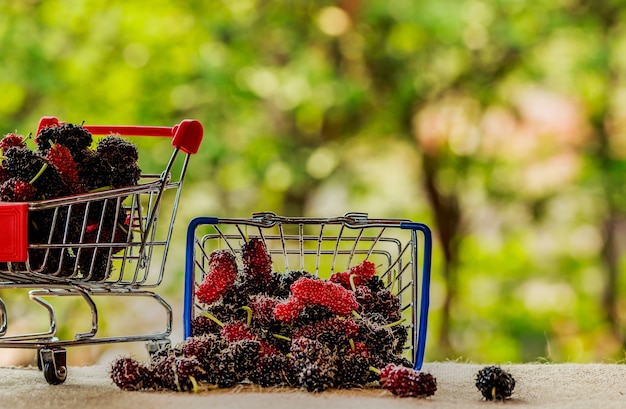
(186, 135)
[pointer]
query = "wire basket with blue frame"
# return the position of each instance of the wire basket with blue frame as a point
(400, 249)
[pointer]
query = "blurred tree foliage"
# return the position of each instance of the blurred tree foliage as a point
(502, 124)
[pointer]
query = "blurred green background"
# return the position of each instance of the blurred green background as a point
(499, 123)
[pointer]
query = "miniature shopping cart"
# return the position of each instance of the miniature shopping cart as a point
(401, 250)
(88, 260)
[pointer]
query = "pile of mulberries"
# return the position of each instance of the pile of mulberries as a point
(65, 162)
(289, 329)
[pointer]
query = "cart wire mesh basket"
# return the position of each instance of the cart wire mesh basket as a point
(112, 242)
(400, 249)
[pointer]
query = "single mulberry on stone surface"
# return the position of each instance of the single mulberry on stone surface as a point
(494, 383)
(407, 382)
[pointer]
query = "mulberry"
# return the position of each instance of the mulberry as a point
(355, 276)
(117, 150)
(317, 377)
(61, 158)
(221, 275)
(75, 137)
(10, 140)
(319, 292)
(257, 265)
(93, 170)
(129, 374)
(262, 310)
(406, 382)
(333, 332)
(286, 279)
(494, 383)
(25, 164)
(289, 310)
(236, 362)
(353, 370)
(274, 370)
(17, 190)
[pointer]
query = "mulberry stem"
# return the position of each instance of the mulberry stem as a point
(213, 318)
(278, 336)
(352, 285)
(41, 171)
(249, 311)
(194, 383)
(395, 323)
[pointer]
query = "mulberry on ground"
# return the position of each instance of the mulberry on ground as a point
(129, 374)
(494, 383)
(407, 382)
(274, 370)
(236, 362)
(317, 377)
(353, 370)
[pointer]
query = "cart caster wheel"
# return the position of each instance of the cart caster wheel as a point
(54, 365)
